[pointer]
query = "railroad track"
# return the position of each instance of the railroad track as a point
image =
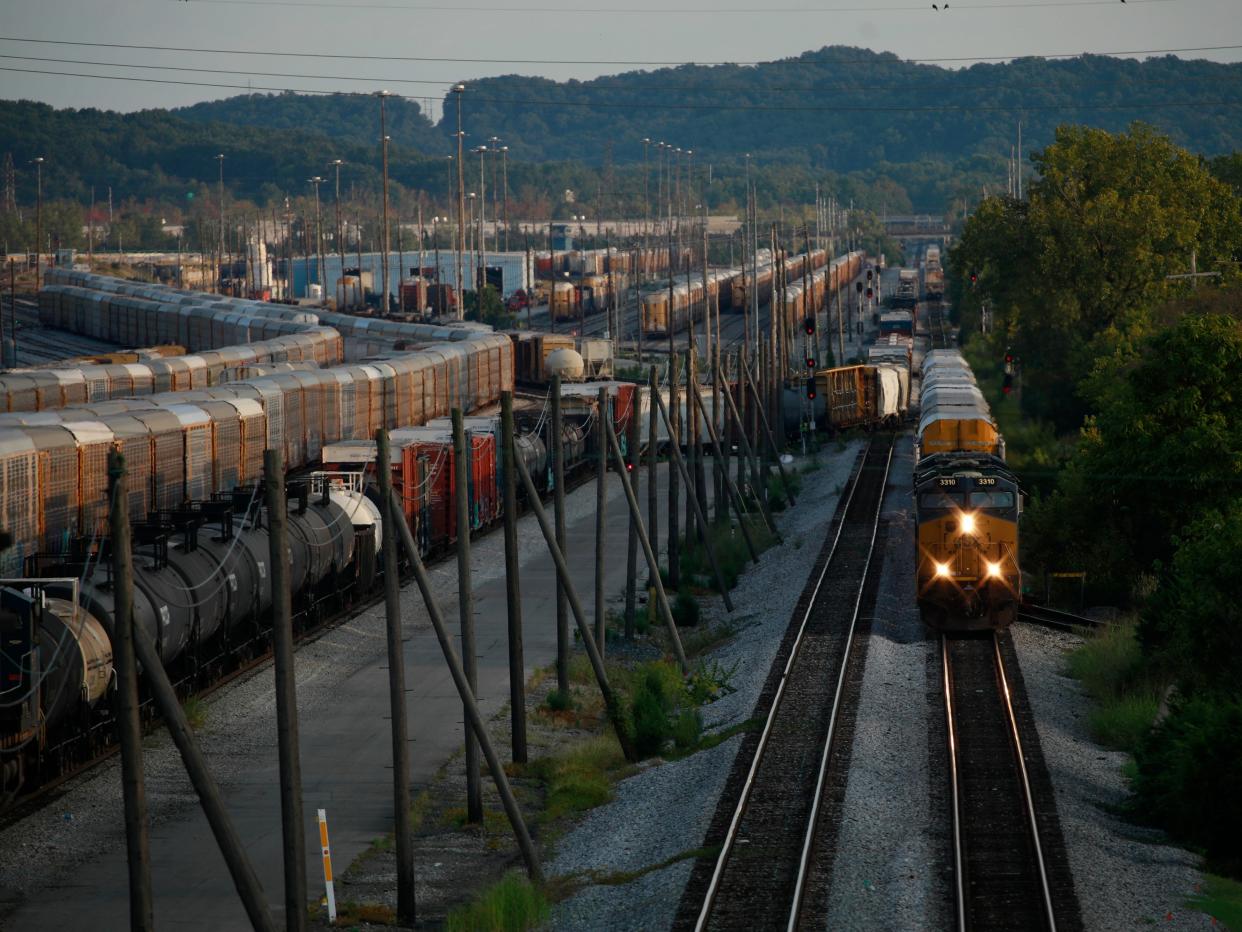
(770, 849)
(1057, 619)
(1001, 870)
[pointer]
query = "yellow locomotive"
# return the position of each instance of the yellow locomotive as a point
(967, 504)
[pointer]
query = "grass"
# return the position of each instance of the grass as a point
(1220, 898)
(512, 904)
(1110, 667)
(581, 778)
(195, 712)
(731, 552)
(559, 701)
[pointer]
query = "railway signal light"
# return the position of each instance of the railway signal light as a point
(1008, 386)
(810, 389)
(810, 362)
(868, 274)
(859, 286)
(974, 278)
(809, 326)
(870, 294)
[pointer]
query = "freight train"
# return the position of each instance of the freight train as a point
(967, 504)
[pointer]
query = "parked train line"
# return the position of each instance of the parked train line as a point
(771, 849)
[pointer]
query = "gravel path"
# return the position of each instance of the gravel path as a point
(1127, 876)
(664, 811)
(887, 870)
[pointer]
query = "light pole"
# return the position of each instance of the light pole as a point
(435, 242)
(383, 97)
(472, 243)
(459, 90)
(646, 190)
(480, 272)
(317, 181)
(220, 242)
(38, 164)
(504, 174)
(494, 146)
(340, 248)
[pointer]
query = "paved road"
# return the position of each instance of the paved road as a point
(346, 755)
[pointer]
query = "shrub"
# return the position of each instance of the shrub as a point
(651, 724)
(1189, 772)
(686, 611)
(559, 701)
(1111, 668)
(511, 904)
(656, 693)
(687, 729)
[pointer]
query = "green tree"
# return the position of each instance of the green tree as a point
(1164, 449)
(1073, 274)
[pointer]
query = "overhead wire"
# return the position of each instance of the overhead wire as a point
(785, 62)
(647, 11)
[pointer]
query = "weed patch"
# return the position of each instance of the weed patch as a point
(580, 779)
(1110, 666)
(1220, 898)
(512, 904)
(195, 712)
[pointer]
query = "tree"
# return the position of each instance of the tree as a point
(1164, 449)
(1073, 274)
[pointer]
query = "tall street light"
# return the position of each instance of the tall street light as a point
(317, 181)
(340, 245)
(38, 164)
(504, 174)
(459, 90)
(220, 241)
(383, 96)
(480, 271)
(494, 147)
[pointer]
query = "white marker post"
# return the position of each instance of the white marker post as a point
(327, 865)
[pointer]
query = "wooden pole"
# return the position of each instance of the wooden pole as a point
(749, 453)
(137, 842)
(674, 440)
(513, 590)
(601, 506)
(776, 454)
(465, 605)
(692, 491)
(631, 550)
(473, 716)
(699, 516)
(653, 566)
(292, 828)
(734, 496)
(653, 451)
(558, 479)
(396, 696)
(611, 705)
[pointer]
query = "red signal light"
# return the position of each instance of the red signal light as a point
(810, 390)
(810, 362)
(809, 325)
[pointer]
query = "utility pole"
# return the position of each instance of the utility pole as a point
(38, 163)
(465, 602)
(383, 97)
(558, 477)
(396, 690)
(316, 181)
(220, 241)
(459, 90)
(340, 243)
(137, 842)
(513, 590)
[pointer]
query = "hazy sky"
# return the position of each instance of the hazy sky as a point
(501, 32)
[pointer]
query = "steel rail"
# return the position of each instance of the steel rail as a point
(808, 841)
(1055, 618)
(959, 869)
(1032, 820)
(744, 797)
(1031, 817)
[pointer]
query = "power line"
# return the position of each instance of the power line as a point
(680, 11)
(874, 59)
(601, 84)
(655, 105)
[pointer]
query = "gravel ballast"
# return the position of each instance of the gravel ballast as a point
(1127, 876)
(664, 811)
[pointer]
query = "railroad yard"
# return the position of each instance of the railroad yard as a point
(475, 511)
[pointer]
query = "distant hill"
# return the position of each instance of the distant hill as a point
(344, 116)
(888, 133)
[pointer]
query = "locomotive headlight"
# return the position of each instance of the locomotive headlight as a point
(994, 570)
(942, 570)
(968, 524)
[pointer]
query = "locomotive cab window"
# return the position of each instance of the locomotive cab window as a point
(991, 499)
(942, 499)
